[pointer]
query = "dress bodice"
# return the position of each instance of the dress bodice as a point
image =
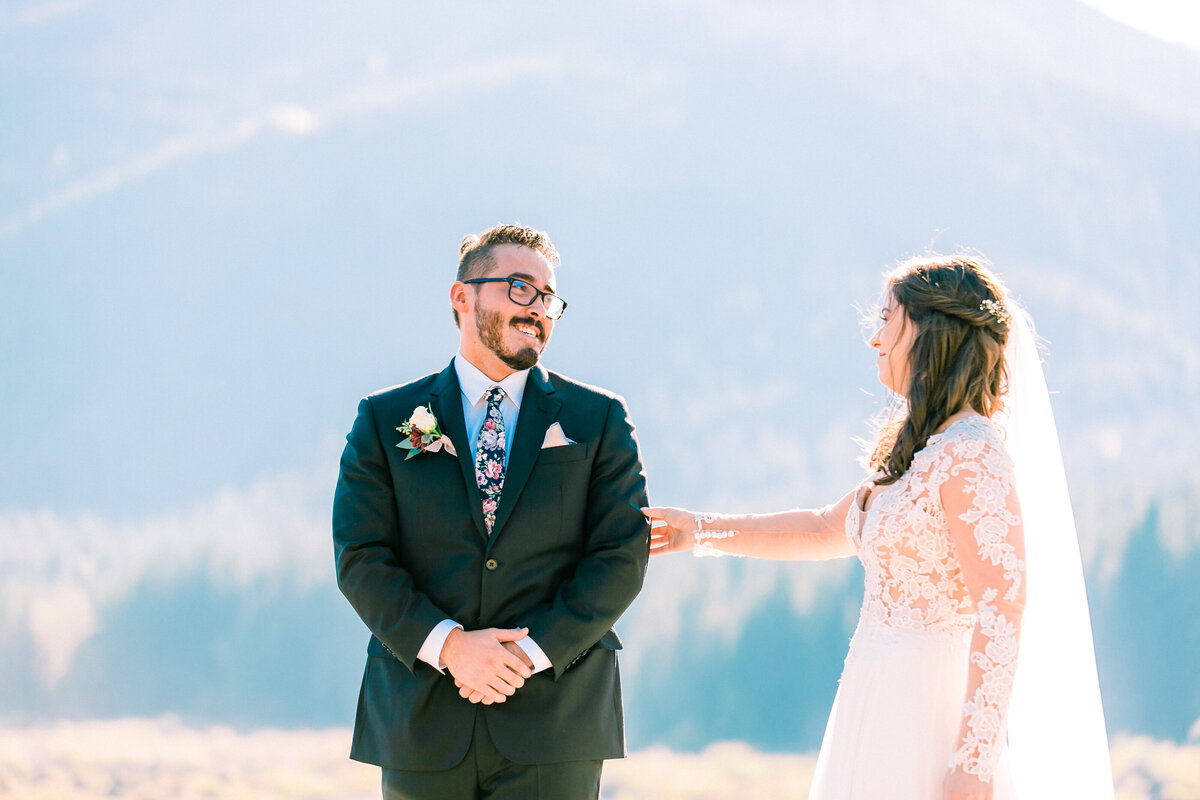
(923, 574)
(914, 576)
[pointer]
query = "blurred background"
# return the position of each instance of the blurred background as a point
(222, 223)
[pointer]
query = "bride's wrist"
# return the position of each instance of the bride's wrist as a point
(704, 539)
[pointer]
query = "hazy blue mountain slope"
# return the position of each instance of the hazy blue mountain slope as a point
(283, 656)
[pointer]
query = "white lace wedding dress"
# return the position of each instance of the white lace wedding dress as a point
(930, 669)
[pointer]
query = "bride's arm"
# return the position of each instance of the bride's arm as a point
(799, 535)
(984, 515)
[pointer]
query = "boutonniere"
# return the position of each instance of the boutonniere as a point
(421, 433)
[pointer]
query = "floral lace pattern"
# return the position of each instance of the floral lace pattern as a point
(919, 577)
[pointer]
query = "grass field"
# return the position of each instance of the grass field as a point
(163, 759)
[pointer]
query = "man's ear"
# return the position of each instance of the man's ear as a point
(458, 297)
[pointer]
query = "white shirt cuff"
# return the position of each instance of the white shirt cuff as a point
(431, 650)
(539, 659)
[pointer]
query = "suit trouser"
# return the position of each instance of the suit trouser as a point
(485, 774)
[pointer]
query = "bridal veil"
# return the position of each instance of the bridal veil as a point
(1057, 740)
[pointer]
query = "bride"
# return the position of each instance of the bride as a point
(971, 672)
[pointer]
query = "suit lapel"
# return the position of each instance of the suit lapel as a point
(448, 408)
(539, 408)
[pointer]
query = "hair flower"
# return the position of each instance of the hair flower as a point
(997, 310)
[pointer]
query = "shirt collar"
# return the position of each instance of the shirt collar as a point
(475, 384)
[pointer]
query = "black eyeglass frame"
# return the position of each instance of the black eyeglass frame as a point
(539, 294)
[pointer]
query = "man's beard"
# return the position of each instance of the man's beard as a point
(491, 325)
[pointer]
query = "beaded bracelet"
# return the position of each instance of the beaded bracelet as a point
(704, 539)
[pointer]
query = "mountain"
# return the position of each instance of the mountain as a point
(220, 226)
(195, 227)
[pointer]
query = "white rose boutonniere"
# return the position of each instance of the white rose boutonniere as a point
(422, 433)
(423, 420)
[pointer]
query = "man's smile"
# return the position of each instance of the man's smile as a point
(532, 330)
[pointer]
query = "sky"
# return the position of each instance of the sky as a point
(1176, 21)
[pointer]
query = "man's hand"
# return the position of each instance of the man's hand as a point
(482, 663)
(477, 697)
(515, 649)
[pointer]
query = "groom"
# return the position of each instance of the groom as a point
(487, 530)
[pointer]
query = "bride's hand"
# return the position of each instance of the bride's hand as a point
(676, 536)
(961, 786)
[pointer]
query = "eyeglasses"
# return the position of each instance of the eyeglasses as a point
(524, 293)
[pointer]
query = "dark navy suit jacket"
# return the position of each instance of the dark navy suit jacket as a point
(566, 557)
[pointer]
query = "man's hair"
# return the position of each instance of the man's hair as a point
(475, 253)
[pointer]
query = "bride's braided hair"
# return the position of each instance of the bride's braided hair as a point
(957, 356)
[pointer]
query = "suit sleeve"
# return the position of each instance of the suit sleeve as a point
(610, 573)
(365, 528)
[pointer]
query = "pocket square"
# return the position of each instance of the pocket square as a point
(555, 437)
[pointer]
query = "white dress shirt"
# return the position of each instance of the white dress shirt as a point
(475, 387)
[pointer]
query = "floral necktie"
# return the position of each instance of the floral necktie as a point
(489, 457)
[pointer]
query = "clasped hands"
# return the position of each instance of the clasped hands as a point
(488, 666)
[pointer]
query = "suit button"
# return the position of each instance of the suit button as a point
(491, 564)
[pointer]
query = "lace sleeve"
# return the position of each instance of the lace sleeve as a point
(980, 500)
